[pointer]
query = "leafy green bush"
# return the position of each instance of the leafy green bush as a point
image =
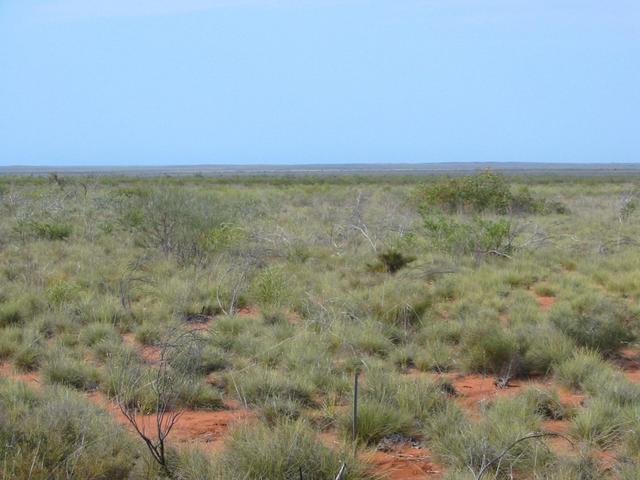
(483, 192)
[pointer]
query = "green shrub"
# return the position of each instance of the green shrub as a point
(148, 333)
(256, 452)
(197, 395)
(547, 347)
(377, 420)
(599, 425)
(71, 372)
(478, 236)
(435, 356)
(58, 435)
(576, 371)
(60, 292)
(28, 357)
(52, 231)
(271, 287)
(594, 322)
(391, 261)
(10, 314)
(95, 333)
(484, 191)
(544, 403)
(490, 349)
(259, 385)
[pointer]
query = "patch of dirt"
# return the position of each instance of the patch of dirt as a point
(402, 462)
(606, 459)
(475, 389)
(629, 361)
(199, 326)
(204, 428)
(148, 353)
(31, 378)
(545, 302)
(248, 311)
(559, 445)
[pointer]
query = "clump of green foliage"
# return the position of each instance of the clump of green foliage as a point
(391, 261)
(477, 236)
(480, 193)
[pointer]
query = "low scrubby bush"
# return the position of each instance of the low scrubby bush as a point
(71, 372)
(594, 322)
(256, 452)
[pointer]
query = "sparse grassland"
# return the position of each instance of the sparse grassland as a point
(478, 311)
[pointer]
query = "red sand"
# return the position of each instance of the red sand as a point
(629, 362)
(149, 353)
(404, 462)
(31, 378)
(248, 311)
(475, 389)
(545, 302)
(205, 428)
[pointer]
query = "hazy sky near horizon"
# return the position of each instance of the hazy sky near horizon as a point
(113, 82)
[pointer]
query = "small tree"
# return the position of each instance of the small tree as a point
(169, 380)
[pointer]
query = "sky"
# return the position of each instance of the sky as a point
(170, 82)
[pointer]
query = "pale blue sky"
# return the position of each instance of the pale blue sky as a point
(98, 82)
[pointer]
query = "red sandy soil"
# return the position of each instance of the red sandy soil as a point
(545, 302)
(199, 326)
(475, 389)
(559, 445)
(629, 361)
(204, 428)
(403, 462)
(149, 353)
(248, 311)
(31, 378)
